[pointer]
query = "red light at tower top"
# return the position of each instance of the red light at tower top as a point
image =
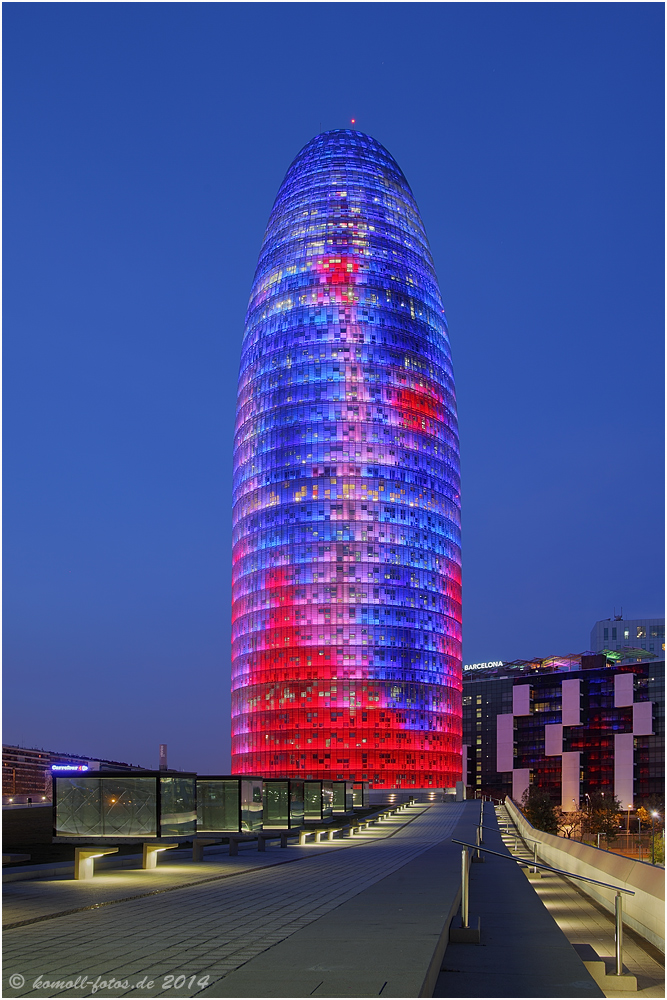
(353, 121)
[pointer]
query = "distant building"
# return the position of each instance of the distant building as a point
(636, 633)
(26, 773)
(573, 725)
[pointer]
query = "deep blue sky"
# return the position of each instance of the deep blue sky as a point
(144, 144)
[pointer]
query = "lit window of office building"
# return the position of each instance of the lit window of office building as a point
(346, 618)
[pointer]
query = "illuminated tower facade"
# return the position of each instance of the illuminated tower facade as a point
(346, 618)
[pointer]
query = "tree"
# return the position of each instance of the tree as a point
(654, 803)
(569, 822)
(605, 815)
(644, 816)
(539, 809)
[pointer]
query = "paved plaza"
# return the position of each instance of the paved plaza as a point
(361, 917)
(203, 920)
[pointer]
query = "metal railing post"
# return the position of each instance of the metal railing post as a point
(534, 858)
(481, 822)
(618, 934)
(464, 887)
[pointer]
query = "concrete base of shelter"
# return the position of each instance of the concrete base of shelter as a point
(466, 935)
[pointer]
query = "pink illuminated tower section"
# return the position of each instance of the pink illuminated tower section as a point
(346, 615)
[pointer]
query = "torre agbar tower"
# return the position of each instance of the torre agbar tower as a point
(346, 620)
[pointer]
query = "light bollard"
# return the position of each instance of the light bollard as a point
(465, 889)
(618, 933)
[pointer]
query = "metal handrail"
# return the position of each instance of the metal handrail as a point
(618, 902)
(530, 864)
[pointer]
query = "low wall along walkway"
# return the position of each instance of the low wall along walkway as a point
(644, 912)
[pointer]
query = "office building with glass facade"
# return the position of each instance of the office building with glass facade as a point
(620, 635)
(346, 618)
(570, 724)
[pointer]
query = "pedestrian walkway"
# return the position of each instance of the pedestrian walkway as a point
(200, 921)
(583, 921)
(523, 952)
(355, 918)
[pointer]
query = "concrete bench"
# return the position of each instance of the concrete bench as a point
(200, 843)
(239, 838)
(152, 848)
(281, 835)
(84, 859)
(317, 834)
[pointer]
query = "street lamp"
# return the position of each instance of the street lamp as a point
(588, 821)
(653, 815)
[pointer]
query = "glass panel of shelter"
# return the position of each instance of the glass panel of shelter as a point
(77, 809)
(178, 815)
(327, 799)
(129, 807)
(296, 803)
(218, 805)
(251, 805)
(105, 806)
(312, 801)
(342, 797)
(276, 805)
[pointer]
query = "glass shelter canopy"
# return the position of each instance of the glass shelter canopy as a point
(124, 805)
(346, 616)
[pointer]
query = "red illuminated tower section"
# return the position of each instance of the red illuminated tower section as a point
(346, 619)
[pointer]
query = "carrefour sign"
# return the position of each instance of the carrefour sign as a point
(483, 666)
(69, 767)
